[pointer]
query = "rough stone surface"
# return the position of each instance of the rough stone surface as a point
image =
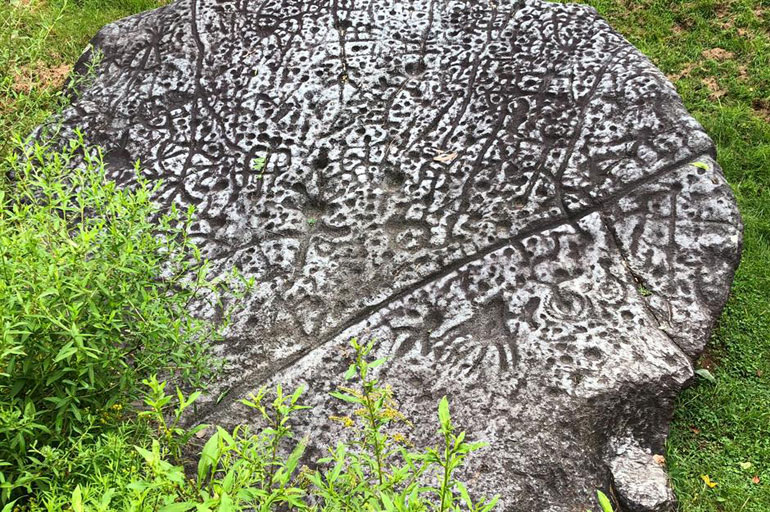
(502, 193)
(640, 480)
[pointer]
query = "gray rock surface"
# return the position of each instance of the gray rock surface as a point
(501, 193)
(640, 480)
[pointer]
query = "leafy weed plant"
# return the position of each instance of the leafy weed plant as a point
(241, 470)
(95, 288)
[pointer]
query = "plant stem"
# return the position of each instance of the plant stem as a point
(274, 450)
(447, 474)
(374, 432)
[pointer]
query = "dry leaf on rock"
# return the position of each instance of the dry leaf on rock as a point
(445, 158)
(660, 460)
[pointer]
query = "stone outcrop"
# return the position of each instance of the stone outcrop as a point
(507, 195)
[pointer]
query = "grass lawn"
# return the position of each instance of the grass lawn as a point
(718, 54)
(40, 40)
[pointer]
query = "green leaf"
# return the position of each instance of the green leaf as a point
(345, 397)
(150, 457)
(704, 373)
(491, 505)
(229, 479)
(178, 507)
(77, 500)
(464, 495)
(9, 506)
(209, 456)
(700, 165)
(443, 413)
(387, 502)
(65, 352)
(378, 362)
(296, 454)
(604, 501)
(297, 394)
(104, 502)
(226, 503)
(138, 486)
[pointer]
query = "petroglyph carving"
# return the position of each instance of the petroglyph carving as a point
(502, 193)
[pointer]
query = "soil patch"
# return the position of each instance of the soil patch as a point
(40, 75)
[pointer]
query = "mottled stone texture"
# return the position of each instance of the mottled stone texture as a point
(502, 193)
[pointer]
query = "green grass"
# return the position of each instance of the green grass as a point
(40, 40)
(718, 428)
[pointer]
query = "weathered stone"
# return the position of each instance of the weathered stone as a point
(507, 195)
(640, 481)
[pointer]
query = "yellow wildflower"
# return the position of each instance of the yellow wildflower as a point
(346, 421)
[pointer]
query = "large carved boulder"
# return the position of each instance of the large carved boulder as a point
(507, 195)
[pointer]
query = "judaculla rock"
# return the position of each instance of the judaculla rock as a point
(507, 195)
